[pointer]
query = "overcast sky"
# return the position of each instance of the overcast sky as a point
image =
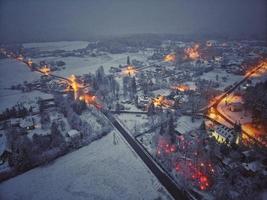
(32, 20)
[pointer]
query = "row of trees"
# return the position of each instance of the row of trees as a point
(129, 87)
(255, 99)
(16, 111)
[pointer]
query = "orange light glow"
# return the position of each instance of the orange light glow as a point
(192, 53)
(129, 70)
(158, 101)
(45, 70)
(170, 57)
(75, 86)
(263, 69)
(20, 58)
(161, 101)
(30, 62)
(181, 88)
(258, 133)
(90, 100)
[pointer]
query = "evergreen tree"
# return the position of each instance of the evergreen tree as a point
(151, 109)
(128, 60)
(162, 129)
(57, 138)
(171, 129)
(134, 85)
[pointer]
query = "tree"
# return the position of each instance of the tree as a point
(100, 74)
(57, 138)
(45, 119)
(128, 60)
(171, 129)
(117, 89)
(133, 85)
(217, 77)
(21, 157)
(162, 129)
(151, 109)
(79, 106)
(125, 86)
(117, 107)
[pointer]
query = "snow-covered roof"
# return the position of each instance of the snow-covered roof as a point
(253, 166)
(73, 133)
(225, 132)
(26, 122)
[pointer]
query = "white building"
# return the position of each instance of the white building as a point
(223, 134)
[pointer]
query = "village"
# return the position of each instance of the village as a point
(189, 105)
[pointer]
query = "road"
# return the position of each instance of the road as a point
(129, 112)
(232, 89)
(162, 176)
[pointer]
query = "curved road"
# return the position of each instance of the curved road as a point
(218, 101)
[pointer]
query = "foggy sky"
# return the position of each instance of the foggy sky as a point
(50, 20)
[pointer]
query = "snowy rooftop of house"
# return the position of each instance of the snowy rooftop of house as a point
(225, 131)
(253, 166)
(73, 133)
(26, 122)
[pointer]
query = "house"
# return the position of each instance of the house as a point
(254, 166)
(143, 102)
(223, 134)
(27, 123)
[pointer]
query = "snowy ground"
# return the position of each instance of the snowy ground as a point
(100, 170)
(14, 72)
(136, 123)
(62, 45)
(86, 64)
(242, 116)
(185, 124)
(231, 78)
(9, 69)
(162, 92)
(30, 98)
(91, 119)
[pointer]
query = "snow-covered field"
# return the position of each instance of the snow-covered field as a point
(82, 65)
(134, 122)
(185, 124)
(62, 45)
(9, 100)
(86, 64)
(231, 78)
(100, 170)
(14, 72)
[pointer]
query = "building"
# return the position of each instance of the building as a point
(27, 123)
(225, 135)
(143, 102)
